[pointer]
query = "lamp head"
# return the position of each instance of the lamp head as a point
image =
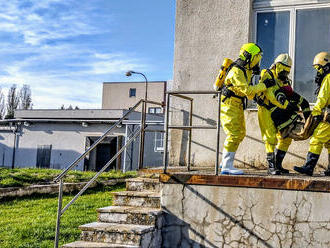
(129, 73)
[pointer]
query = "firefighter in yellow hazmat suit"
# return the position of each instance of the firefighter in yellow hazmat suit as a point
(321, 134)
(233, 102)
(270, 102)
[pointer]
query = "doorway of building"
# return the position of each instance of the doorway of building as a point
(101, 154)
(43, 156)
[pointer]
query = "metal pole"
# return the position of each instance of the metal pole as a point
(99, 173)
(167, 113)
(141, 152)
(132, 152)
(74, 163)
(125, 151)
(59, 209)
(218, 136)
(14, 150)
(190, 130)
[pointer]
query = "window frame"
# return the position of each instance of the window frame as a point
(160, 139)
(280, 6)
(130, 91)
(154, 109)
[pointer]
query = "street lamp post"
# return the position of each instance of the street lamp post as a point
(143, 116)
(129, 73)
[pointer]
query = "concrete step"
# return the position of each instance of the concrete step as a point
(138, 199)
(143, 184)
(129, 215)
(123, 234)
(84, 244)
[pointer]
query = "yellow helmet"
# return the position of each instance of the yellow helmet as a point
(251, 54)
(321, 59)
(282, 65)
(283, 59)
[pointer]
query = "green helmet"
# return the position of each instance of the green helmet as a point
(251, 53)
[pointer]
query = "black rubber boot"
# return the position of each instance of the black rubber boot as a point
(279, 156)
(327, 172)
(309, 165)
(272, 170)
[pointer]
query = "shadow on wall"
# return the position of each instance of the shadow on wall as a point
(185, 134)
(250, 165)
(45, 157)
(176, 231)
(184, 145)
(185, 137)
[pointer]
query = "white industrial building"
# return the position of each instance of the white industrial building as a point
(55, 138)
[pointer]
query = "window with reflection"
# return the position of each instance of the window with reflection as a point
(273, 35)
(311, 35)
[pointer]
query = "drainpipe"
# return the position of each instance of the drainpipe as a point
(125, 150)
(14, 147)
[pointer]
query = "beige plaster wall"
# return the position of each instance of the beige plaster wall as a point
(116, 95)
(214, 216)
(207, 32)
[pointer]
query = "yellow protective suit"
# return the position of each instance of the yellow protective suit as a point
(232, 114)
(321, 135)
(269, 133)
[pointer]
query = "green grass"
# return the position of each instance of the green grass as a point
(29, 222)
(28, 176)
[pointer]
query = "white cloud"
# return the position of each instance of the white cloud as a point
(114, 63)
(51, 89)
(68, 73)
(37, 28)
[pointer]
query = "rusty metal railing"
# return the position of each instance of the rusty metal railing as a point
(190, 127)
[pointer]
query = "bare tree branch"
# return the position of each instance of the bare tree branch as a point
(12, 101)
(25, 98)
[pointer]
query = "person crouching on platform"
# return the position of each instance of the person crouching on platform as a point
(235, 91)
(277, 109)
(320, 115)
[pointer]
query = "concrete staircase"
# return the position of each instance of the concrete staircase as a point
(134, 220)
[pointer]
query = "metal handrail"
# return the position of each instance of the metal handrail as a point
(190, 127)
(61, 211)
(60, 177)
(99, 140)
(137, 132)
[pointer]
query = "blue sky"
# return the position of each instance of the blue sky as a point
(65, 49)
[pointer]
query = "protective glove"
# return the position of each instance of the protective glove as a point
(292, 108)
(307, 114)
(311, 123)
(269, 83)
(256, 70)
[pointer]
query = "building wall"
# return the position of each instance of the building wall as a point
(116, 95)
(68, 142)
(6, 148)
(206, 33)
(216, 216)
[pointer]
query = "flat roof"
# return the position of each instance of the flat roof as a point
(94, 114)
(139, 82)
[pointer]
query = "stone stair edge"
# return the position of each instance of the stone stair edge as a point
(86, 244)
(129, 209)
(150, 194)
(143, 179)
(116, 228)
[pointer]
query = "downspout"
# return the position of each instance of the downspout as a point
(125, 150)
(132, 147)
(14, 147)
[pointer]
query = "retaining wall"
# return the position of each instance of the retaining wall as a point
(269, 212)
